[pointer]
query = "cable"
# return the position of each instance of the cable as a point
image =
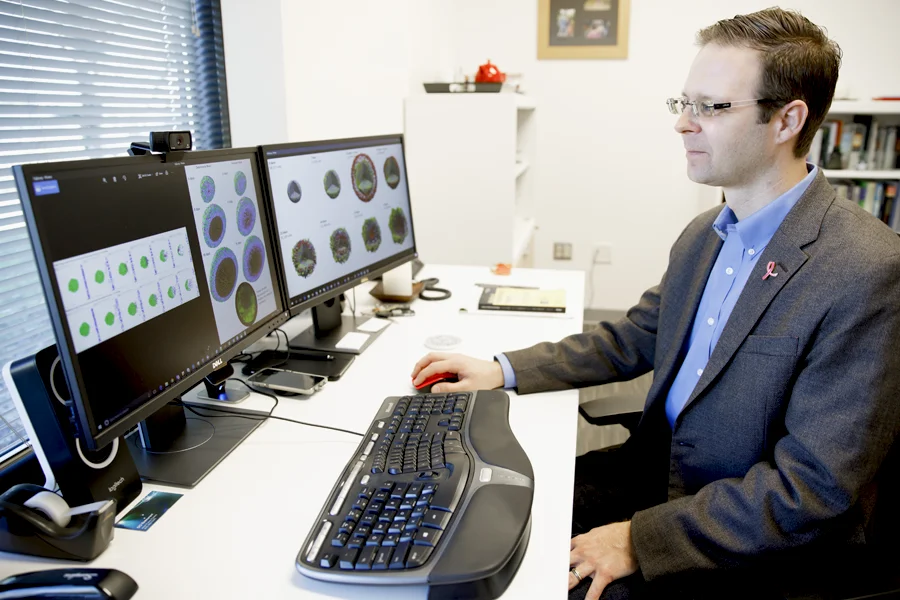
(430, 286)
(268, 416)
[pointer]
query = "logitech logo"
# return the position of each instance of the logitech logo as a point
(217, 363)
(116, 485)
(81, 576)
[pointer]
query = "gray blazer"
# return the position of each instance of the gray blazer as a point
(780, 445)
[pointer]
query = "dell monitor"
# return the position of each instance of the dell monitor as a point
(342, 216)
(156, 273)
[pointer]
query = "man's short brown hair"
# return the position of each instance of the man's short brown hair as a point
(799, 62)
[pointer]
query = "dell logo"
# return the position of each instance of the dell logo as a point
(116, 485)
(217, 363)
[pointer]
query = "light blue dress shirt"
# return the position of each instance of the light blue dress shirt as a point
(744, 243)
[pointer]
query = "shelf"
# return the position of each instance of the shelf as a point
(524, 102)
(521, 167)
(849, 174)
(865, 107)
(523, 231)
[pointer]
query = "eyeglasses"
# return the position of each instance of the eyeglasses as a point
(707, 108)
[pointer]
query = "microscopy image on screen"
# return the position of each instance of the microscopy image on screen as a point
(340, 245)
(371, 233)
(254, 258)
(214, 225)
(246, 216)
(303, 256)
(332, 184)
(245, 304)
(171, 293)
(223, 275)
(240, 183)
(207, 189)
(365, 178)
(398, 225)
(124, 287)
(392, 172)
(294, 192)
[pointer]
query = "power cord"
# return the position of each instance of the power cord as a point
(268, 416)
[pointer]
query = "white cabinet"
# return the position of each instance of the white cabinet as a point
(470, 161)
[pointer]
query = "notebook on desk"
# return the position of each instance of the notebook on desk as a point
(522, 299)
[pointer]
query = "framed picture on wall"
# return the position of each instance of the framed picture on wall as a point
(583, 29)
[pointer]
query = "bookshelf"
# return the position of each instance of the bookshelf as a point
(471, 174)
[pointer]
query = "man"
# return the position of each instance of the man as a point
(771, 337)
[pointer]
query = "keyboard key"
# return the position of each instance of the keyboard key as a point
(366, 492)
(427, 537)
(395, 470)
(382, 559)
(380, 527)
(340, 540)
(366, 557)
(399, 490)
(328, 560)
(392, 539)
(368, 519)
(348, 558)
(413, 524)
(347, 527)
(403, 515)
(436, 519)
(356, 542)
(363, 531)
(387, 516)
(417, 556)
(375, 540)
(414, 490)
(392, 504)
(398, 559)
(441, 498)
(354, 515)
(374, 508)
(428, 488)
(383, 495)
(396, 527)
(387, 486)
(360, 504)
(407, 504)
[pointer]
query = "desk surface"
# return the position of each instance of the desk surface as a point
(237, 533)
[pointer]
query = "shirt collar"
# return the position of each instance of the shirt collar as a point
(756, 230)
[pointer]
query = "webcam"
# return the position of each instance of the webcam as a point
(164, 142)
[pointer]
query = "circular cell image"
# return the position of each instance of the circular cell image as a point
(240, 183)
(132, 309)
(304, 258)
(84, 330)
(340, 245)
(99, 276)
(254, 258)
(245, 303)
(223, 275)
(180, 250)
(163, 256)
(110, 319)
(392, 172)
(371, 233)
(207, 188)
(332, 184)
(189, 284)
(246, 216)
(295, 193)
(153, 300)
(123, 269)
(145, 262)
(213, 225)
(73, 285)
(364, 177)
(398, 225)
(171, 292)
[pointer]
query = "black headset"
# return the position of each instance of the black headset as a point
(441, 293)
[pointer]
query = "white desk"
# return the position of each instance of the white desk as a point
(237, 534)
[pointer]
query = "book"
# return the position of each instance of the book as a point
(522, 299)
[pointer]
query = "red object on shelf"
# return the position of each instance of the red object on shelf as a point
(488, 73)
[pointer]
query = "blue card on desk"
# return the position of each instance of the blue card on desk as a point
(148, 511)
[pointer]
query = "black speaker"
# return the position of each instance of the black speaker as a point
(38, 388)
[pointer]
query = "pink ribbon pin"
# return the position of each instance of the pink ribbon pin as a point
(770, 270)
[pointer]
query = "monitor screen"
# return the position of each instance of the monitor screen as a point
(155, 273)
(342, 213)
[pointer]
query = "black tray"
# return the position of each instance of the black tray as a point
(449, 88)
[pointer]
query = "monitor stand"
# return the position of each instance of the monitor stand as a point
(179, 448)
(330, 326)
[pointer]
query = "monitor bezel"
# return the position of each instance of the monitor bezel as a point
(84, 416)
(405, 257)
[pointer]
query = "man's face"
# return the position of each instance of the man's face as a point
(731, 148)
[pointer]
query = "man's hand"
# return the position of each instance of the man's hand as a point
(472, 373)
(605, 554)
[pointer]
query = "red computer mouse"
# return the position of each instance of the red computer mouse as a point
(425, 386)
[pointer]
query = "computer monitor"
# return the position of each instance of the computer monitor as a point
(156, 274)
(342, 216)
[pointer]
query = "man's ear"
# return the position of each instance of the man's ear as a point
(790, 121)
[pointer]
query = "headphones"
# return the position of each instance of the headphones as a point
(442, 293)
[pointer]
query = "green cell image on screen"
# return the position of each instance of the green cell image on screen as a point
(188, 285)
(163, 256)
(132, 309)
(123, 269)
(73, 285)
(153, 300)
(110, 318)
(84, 330)
(171, 292)
(144, 262)
(99, 276)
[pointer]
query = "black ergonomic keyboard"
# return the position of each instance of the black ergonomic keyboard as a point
(438, 493)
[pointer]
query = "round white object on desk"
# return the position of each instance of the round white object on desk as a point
(442, 342)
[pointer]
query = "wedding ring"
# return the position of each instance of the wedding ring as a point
(574, 572)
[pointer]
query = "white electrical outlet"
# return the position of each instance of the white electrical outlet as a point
(602, 254)
(562, 251)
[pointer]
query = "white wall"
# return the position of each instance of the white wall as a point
(610, 167)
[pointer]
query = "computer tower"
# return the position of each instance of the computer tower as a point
(39, 391)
